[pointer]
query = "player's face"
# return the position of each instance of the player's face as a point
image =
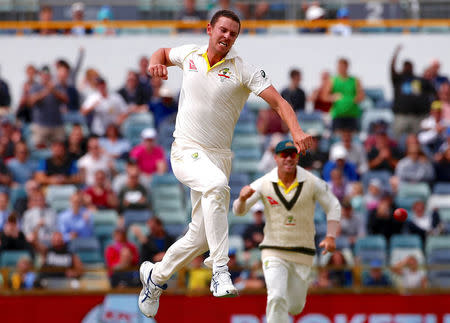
(222, 35)
(287, 161)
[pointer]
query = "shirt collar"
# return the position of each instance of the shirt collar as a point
(273, 175)
(231, 54)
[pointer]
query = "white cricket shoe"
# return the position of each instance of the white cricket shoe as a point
(150, 293)
(221, 285)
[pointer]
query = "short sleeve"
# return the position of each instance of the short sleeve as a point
(42, 167)
(90, 100)
(178, 54)
(256, 80)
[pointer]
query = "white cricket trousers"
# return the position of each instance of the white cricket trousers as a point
(206, 173)
(287, 286)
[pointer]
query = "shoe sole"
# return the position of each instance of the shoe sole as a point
(144, 287)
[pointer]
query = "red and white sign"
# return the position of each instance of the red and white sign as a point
(243, 309)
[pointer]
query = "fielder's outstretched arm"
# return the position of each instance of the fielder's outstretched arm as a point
(302, 140)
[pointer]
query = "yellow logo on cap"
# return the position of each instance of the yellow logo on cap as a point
(289, 144)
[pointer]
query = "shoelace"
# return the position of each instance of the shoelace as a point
(152, 295)
(223, 277)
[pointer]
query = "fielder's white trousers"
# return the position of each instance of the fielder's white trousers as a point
(206, 173)
(287, 286)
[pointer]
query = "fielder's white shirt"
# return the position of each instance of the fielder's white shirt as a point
(212, 98)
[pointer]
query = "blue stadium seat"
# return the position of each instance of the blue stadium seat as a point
(132, 238)
(58, 196)
(134, 124)
(175, 229)
(84, 244)
(91, 258)
(371, 242)
(9, 258)
(405, 241)
(166, 179)
(376, 94)
(441, 188)
(236, 242)
(136, 216)
(417, 190)
(437, 243)
(382, 175)
(16, 193)
(371, 116)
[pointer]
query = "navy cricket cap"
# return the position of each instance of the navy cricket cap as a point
(285, 145)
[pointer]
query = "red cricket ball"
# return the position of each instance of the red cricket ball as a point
(400, 214)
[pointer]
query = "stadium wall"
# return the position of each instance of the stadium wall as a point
(339, 308)
(369, 54)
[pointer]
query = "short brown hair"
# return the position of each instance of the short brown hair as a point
(227, 14)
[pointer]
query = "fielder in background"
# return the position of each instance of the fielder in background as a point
(289, 194)
(216, 85)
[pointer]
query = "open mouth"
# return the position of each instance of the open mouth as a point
(223, 44)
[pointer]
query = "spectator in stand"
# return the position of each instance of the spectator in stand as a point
(375, 191)
(410, 274)
(424, 223)
(382, 155)
(58, 169)
(338, 184)
(78, 29)
(156, 83)
(21, 167)
(342, 28)
(189, 14)
(352, 225)
(322, 279)
(356, 197)
(355, 150)
(254, 233)
(46, 99)
(376, 276)
(107, 107)
(89, 84)
(121, 258)
(442, 166)
(346, 92)
(164, 106)
(434, 129)
(339, 276)
(154, 246)
(100, 195)
(293, 93)
(12, 238)
(338, 160)
(378, 127)
(59, 261)
(9, 136)
(224, 5)
(144, 78)
(22, 203)
(5, 97)
(39, 221)
(319, 97)
(134, 94)
(4, 208)
(255, 11)
(104, 16)
(76, 143)
(414, 167)
(381, 221)
(199, 276)
(313, 12)
(436, 79)
(411, 97)
(150, 158)
(63, 78)
(5, 177)
(45, 16)
(76, 221)
(94, 160)
(113, 144)
(121, 179)
(23, 278)
(314, 159)
(267, 162)
(269, 122)
(133, 196)
(444, 98)
(23, 112)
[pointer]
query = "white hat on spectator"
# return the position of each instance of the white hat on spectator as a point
(77, 6)
(314, 12)
(338, 152)
(148, 133)
(165, 92)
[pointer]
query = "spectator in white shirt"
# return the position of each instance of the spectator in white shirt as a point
(93, 161)
(410, 273)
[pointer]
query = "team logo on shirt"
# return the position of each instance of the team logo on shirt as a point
(272, 201)
(194, 156)
(263, 74)
(224, 73)
(192, 66)
(290, 220)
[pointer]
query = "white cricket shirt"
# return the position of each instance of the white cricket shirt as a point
(212, 98)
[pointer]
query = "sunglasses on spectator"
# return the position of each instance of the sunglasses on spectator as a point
(286, 154)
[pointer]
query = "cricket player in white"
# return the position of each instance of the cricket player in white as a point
(289, 194)
(216, 85)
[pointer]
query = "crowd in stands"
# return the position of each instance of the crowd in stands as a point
(86, 182)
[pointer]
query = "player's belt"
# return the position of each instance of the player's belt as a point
(304, 250)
